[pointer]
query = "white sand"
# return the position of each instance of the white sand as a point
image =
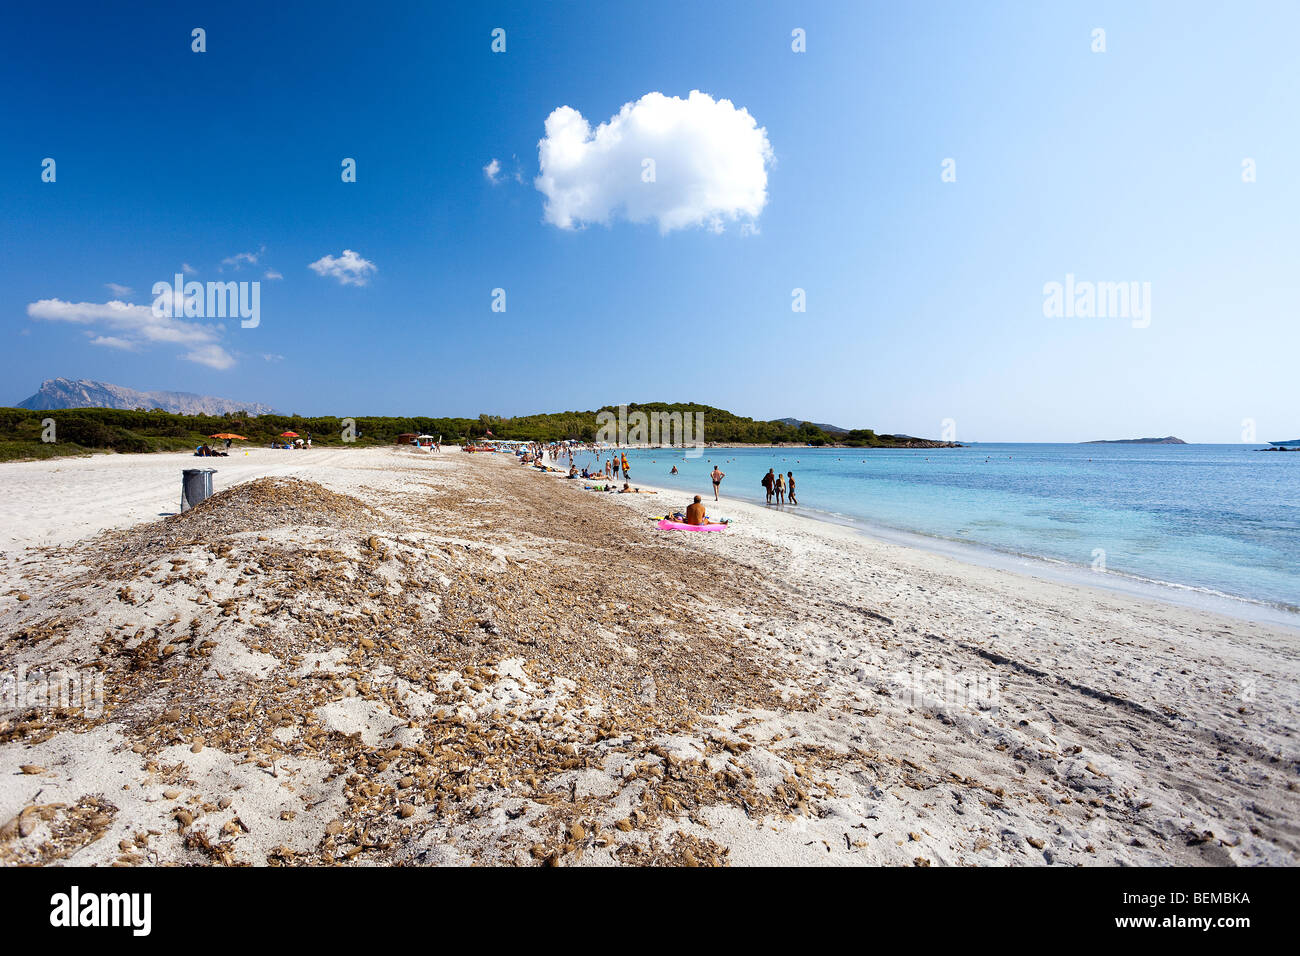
(984, 717)
(66, 499)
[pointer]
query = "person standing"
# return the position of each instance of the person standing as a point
(717, 475)
(769, 483)
(626, 470)
(780, 490)
(790, 487)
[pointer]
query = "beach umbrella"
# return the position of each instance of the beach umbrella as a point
(288, 434)
(229, 436)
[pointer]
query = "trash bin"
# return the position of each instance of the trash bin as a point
(196, 486)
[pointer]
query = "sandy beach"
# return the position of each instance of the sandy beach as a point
(374, 656)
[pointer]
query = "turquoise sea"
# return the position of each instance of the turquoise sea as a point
(1221, 520)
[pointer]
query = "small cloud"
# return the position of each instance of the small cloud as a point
(111, 342)
(188, 269)
(121, 291)
(213, 356)
(240, 259)
(493, 171)
(349, 268)
(272, 357)
(272, 275)
(129, 327)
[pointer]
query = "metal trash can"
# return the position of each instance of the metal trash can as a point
(196, 486)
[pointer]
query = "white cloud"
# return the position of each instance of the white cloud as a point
(349, 268)
(710, 164)
(493, 171)
(188, 269)
(213, 356)
(118, 290)
(272, 275)
(111, 341)
(240, 259)
(133, 327)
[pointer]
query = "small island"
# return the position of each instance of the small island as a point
(1167, 440)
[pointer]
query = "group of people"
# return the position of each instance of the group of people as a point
(615, 467)
(778, 487)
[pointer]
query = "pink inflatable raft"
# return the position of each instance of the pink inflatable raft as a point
(667, 525)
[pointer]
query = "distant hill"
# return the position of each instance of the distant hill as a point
(82, 393)
(1167, 440)
(828, 429)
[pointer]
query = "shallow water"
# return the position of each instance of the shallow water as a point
(1224, 519)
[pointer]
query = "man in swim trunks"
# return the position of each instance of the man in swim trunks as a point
(717, 475)
(695, 512)
(790, 487)
(769, 482)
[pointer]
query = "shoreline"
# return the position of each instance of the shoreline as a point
(1041, 567)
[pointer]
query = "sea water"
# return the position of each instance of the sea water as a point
(1222, 520)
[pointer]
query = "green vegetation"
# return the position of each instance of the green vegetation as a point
(82, 431)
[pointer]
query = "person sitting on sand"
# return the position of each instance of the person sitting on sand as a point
(695, 512)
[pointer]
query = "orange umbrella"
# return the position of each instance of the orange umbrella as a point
(288, 434)
(229, 436)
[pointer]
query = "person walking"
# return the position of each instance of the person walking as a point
(717, 475)
(769, 483)
(789, 485)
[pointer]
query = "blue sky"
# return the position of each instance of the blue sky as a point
(924, 298)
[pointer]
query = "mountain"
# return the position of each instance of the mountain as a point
(1167, 440)
(828, 429)
(83, 393)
